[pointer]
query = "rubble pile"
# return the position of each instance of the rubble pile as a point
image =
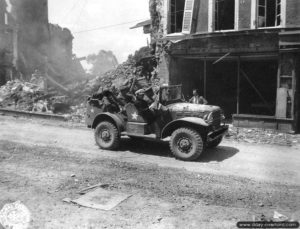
(26, 96)
(261, 136)
(114, 79)
(31, 96)
(77, 113)
(139, 67)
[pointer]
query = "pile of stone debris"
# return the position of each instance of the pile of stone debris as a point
(26, 96)
(261, 136)
(125, 73)
(31, 96)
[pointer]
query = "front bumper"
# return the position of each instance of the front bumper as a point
(217, 133)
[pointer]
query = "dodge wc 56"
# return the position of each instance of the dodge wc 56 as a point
(190, 128)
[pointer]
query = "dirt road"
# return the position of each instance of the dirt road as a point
(230, 183)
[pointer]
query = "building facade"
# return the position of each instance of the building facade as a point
(243, 55)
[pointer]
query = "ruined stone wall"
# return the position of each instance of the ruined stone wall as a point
(41, 44)
(31, 19)
(159, 17)
(60, 51)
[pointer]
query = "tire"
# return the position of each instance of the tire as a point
(215, 142)
(107, 136)
(186, 144)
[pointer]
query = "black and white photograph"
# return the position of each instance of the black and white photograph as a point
(149, 114)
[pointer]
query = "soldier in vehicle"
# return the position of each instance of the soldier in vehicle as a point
(143, 107)
(125, 96)
(109, 102)
(197, 99)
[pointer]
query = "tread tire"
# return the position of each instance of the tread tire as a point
(198, 145)
(114, 143)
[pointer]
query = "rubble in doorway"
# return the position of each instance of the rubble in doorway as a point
(261, 136)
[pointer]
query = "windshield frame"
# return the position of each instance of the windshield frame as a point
(169, 98)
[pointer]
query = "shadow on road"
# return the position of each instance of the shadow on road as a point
(141, 146)
(148, 147)
(218, 154)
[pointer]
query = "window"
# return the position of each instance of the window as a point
(224, 14)
(268, 13)
(183, 16)
(177, 12)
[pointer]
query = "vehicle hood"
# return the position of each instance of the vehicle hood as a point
(179, 110)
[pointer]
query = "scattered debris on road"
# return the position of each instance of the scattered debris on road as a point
(101, 199)
(84, 191)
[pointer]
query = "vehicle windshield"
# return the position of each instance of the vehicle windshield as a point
(170, 94)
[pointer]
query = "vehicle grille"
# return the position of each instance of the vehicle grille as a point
(216, 119)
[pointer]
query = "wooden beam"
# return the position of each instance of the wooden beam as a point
(221, 58)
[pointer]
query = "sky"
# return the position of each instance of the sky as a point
(81, 15)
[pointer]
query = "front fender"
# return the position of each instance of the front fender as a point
(114, 118)
(198, 123)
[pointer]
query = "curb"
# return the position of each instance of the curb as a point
(32, 114)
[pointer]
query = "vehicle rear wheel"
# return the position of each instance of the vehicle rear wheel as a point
(186, 144)
(215, 142)
(107, 136)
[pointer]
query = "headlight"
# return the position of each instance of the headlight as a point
(208, 118)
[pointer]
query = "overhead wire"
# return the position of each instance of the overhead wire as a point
(108, 26)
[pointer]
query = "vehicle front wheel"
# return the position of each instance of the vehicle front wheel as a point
(215, 142)
(107, 136)
(186, 144)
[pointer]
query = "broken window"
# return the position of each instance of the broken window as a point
(177, 12)
(268, 13)
(224, 14)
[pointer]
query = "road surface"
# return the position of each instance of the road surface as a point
(235, 181)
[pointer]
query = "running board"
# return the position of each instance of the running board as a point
(146, 136)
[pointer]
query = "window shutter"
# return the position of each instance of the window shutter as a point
(188, 16)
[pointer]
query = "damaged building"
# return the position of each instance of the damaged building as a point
(242, 55)
(8, 44)
(28, 42)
